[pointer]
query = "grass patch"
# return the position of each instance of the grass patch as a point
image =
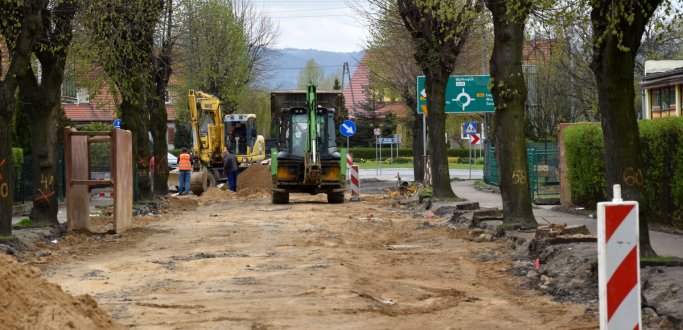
(25, 222)
(660, 259)
(6, 238)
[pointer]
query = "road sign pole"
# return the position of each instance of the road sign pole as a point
(470, 160)
(380, 156)
(376, 156)
(424, 144)
(391, 153)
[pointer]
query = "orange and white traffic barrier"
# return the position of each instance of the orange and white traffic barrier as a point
(619, 264)
(355, 183)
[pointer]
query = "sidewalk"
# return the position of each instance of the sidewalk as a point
(663, 243)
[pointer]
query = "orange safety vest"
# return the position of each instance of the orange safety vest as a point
(184, 163)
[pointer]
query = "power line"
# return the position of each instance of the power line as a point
(288, 11)
(321, 66)
(313, 16)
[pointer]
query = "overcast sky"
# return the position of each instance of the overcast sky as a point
(316, 24)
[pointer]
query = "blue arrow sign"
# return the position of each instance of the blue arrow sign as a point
(117, 123)
(347, 128)
(471, 127)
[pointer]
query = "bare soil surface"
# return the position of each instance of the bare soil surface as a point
(229, 262)
(28, 301)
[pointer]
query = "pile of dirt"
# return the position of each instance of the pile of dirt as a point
(30, 302)
(217, 193)
(183, 203)
(252, 192)
(256, 177)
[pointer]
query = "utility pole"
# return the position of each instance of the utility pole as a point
(190, 82)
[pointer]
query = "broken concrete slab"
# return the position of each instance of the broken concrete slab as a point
(467, 206)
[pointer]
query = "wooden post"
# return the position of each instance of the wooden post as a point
(122, 176)
(77, 167)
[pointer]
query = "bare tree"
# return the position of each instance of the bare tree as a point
(261, 32)
(392, 65)
(438, 30)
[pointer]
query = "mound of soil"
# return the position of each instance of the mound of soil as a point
(252, 192)
(28, 301)
(214, 193)
(256, 177)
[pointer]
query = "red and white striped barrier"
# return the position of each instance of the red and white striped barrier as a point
(106, 194)
(619, 264)
(355, 183)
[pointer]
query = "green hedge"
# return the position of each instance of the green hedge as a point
(369, 153)
(662, 155)
(586, 169)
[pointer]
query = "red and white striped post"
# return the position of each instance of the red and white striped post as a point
(619, 264)
(355, 184)
(349, 163)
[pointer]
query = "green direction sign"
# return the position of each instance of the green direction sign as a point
(463, 94)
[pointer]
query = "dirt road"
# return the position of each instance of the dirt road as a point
(239, 263)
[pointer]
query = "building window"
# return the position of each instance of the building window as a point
(664, 99)
(82, 96)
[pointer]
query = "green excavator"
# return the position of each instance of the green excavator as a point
(309, 161)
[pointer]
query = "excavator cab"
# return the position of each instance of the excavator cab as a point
(241, 131)
(242, 138)
(308, 161)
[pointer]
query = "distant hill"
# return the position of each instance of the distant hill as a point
(287, 63)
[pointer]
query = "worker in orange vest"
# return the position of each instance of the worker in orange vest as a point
(185, 168)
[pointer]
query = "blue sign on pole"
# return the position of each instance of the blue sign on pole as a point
(471, 127)
(117, 123)
(347, 128)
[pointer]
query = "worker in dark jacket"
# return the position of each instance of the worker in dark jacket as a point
(230, 169)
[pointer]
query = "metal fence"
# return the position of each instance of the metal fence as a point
(23, 179)
(543, 164)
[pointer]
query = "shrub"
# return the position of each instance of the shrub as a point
(662, 155)
(586, 171)
(479, 161)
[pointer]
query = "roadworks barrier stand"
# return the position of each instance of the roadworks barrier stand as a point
(353, 178)
(619, 264)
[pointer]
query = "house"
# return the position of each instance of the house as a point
(81, 109)
(661, 89)
(355, 93)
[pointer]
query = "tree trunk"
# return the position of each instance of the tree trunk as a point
(614, 69)
(509, 95)
(7, 104)
(43, 146)
(30, 27)
(418, 161)
(158, 128)
(133, 119)
(43, 102)
(436, 124)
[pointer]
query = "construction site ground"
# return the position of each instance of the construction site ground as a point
(225, 261)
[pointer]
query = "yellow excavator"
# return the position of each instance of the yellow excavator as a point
(210, 140)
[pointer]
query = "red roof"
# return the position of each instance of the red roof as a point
(398, 108)
(100, 108)
(359, 82)
(88, 112)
